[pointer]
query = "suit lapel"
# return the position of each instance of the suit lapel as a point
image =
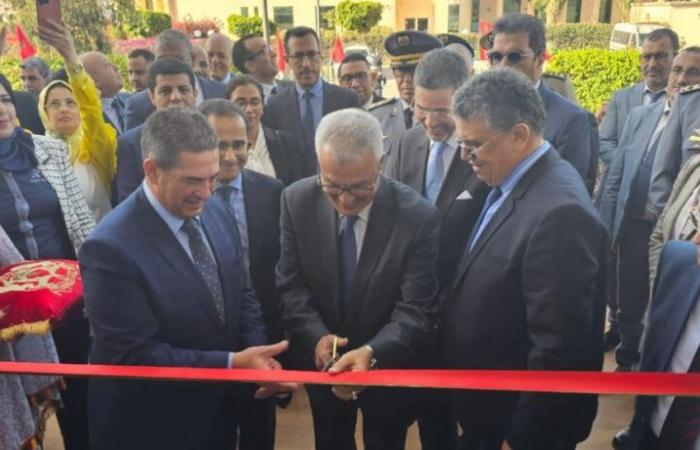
(251, 211)
(455, 181)
(274, 149)
(327, 220)
(417, 162)
(382, 217)
(637, 96)
(644, 132)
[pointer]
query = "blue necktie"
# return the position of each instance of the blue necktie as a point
(119, 109)
(308, 121)
(492, 198)
(204, 262)
(348, 258)
(435, 172)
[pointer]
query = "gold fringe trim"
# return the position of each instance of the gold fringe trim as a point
(39, 328)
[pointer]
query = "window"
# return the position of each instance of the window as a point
(475, 16)
(605, 11)
(453, 19)
(244, 11)
(511, 6)
(573, 11)
(283, 16)
(422, 24)
(410, 24)
(255, 11)
(325, 11)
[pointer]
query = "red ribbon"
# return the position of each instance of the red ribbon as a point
(643, 383)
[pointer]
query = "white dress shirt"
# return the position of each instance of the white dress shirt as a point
(360, 227)
(200, 95)
(259, 157)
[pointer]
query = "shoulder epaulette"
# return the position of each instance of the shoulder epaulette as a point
(386, 101)
(559, 76)
(693, 88)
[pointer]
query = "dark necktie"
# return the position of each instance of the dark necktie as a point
(224, 193)
(204, 261)
(492, 198)
(681, 430)
(273, 91)
(408, 117)
(348, 258)
(308, 121)
(119, 110)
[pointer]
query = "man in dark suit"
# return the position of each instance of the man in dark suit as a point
(253, 56)
(255, 201)
(354, 72)
(299, 110)
(273, 152)
(519, 43)
(427, 158)
(28, 112)
(529, 291)
(165, 284)
(357, 274)
(170, 83)
(170, 44)
(672, 345)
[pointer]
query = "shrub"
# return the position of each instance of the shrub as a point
(149, 23)
(358, 15)
(241, 25)
(579, 35)
(596, 73)
(198, 28)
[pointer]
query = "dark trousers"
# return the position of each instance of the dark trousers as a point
(255, 420)
(387, 414)
(563, 441)
(632, 289)
(72, 339)
(611, 292)
(437, 427)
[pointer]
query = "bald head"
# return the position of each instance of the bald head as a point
(105, 75)
(200, 61)
(218, 48)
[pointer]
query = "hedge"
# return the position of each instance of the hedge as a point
(578, 36)
(596, 73)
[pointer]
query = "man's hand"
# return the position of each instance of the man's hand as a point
(602, 111)
(58, 36)
(324, 349)
(359, 359)
(506, 446)
(262, 358)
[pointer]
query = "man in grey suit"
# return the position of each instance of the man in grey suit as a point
(658, 50)
(357, 274)
(405, 49)
(623, 205)
(427, 158)
(300, 110)
(253, 56)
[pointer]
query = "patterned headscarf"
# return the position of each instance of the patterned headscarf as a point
(72, 140)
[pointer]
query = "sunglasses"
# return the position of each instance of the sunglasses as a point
(513, 58)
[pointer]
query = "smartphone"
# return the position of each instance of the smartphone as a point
(48, 9)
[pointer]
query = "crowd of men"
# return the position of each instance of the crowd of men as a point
(266, 223)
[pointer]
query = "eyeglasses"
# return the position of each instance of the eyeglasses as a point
(472, 149)
(359, 76)
(236, 145)
(403, 72)
(255, 103)
(513, 58)
(57, 104)
(263, 50)
(437, 111)
(311, 54)
(359, 190)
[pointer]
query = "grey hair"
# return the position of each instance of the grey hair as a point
(222, 108)
(441, 69)
(502, 98)
(38, 63)
(348, 134)
(172, 37)
(173, 130)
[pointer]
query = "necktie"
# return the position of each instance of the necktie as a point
(308, 121)
(492, 198)
(435, 172)
(273, 91)
(224, 193)
(204, 261)
(681, 430)
(408, 117)
(119, 110)
(348, 258)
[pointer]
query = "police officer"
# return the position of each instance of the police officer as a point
(405, 49)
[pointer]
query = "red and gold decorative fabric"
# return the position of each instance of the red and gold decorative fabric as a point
(35, 294)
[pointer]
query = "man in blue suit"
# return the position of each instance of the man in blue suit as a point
(165, 284)
(170, 83)
(170, 44)
(519, 43)
(672, 345)
(623, 205)
(255, 201)
(298, 110)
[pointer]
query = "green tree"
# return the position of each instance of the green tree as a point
(241, 26)
(358, 15)
(149, 23)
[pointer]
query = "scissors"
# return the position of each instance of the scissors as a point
(334, 356)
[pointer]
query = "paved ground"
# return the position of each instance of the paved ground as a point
(294, 430)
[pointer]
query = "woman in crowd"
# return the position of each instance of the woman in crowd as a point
(273, 152)
(72, 112)
(44, 213)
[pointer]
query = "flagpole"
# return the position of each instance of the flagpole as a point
(266, 31)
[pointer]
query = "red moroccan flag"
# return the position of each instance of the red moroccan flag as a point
(338, 52)
(281, 62)
(27, 50)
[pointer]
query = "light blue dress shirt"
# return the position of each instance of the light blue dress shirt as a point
(316, 101)
(509, 184)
